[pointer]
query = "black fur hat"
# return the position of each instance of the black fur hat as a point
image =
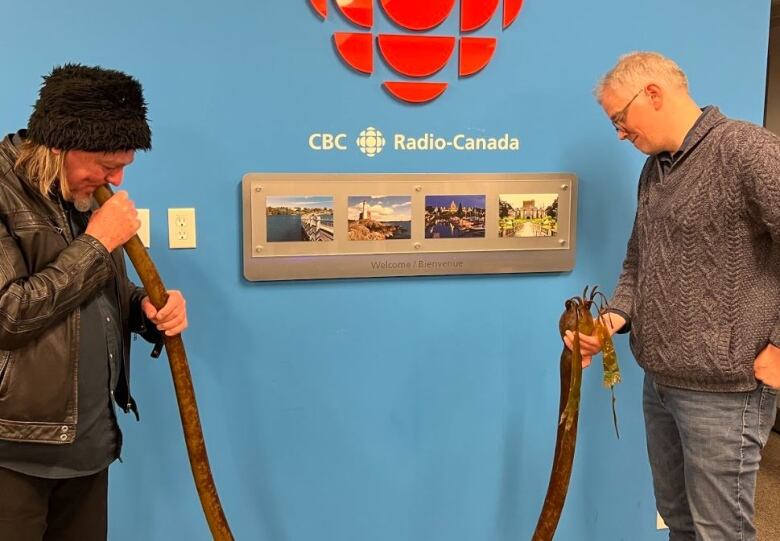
(91, 109)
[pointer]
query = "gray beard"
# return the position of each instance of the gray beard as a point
(83, 204)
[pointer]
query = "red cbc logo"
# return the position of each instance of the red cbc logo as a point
(418, 55)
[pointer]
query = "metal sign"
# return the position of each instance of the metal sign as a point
(308, 225)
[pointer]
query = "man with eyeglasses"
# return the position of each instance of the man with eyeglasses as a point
(699, 294)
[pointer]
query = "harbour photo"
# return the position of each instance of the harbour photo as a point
(454, 216)
(299, 218)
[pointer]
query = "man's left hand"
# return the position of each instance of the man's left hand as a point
(171, 319)
(767, 366)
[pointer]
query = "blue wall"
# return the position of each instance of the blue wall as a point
(418, 408)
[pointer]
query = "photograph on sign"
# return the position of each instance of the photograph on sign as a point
(379, 217)
(454, 216)
(528, 215)
(297, 218)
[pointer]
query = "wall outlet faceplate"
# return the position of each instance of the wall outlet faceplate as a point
(181, 228)
(143, 231)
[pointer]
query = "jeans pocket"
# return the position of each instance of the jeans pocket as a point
(767, 410)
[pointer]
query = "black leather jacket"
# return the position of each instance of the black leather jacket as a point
(45, 275)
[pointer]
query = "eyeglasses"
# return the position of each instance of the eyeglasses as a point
(619, 118)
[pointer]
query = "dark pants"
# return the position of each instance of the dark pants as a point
(37, 509)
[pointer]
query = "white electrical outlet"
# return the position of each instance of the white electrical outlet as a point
(143, 231)
(181, 228)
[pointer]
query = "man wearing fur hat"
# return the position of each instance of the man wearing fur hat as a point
(67, 307)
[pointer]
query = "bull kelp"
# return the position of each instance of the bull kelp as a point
(578, 319)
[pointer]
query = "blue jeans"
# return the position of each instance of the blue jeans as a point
(704, 451)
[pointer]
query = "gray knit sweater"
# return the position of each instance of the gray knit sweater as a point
(701, 278)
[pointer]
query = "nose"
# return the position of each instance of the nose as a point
(115, 177)
(622, 134)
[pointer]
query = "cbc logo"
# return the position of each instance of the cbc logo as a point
(370, 141)
(417, 56)
(327, 141)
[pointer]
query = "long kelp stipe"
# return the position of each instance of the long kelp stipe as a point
(577, 318)
(182, 381)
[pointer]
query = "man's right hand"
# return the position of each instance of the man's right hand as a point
(590, 345)
(115, 222)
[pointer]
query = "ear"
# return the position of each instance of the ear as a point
(656, 95)
(56, 151)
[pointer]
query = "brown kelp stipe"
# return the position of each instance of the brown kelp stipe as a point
(578, 319)
(182, 381)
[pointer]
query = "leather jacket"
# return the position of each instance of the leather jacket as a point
(45, 275)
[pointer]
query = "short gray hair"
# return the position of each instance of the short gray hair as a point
(634, 70)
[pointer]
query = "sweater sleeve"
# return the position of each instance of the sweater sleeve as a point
(623, 298)
(622, 301)
(760, 167)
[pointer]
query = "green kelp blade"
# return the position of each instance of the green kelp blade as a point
(610, 365)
